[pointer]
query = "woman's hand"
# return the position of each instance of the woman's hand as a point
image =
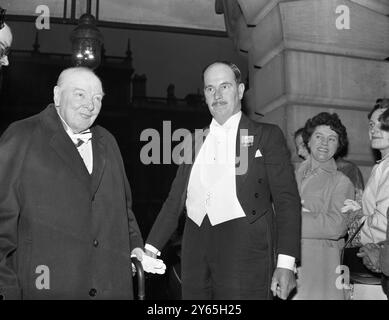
(350, 205)
(370, 254)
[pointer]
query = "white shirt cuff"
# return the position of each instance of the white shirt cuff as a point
(287, 262)
(152, 249)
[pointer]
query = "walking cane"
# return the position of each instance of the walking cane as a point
(140, 276)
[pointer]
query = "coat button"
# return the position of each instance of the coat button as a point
(253, 212)
(92, 292)
(95, 243)
(256, 194)
(260, 180)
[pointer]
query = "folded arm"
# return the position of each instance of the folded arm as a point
(333, 223)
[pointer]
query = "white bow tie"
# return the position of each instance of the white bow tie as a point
(218, 130)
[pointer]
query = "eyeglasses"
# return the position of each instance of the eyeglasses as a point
(4, 52)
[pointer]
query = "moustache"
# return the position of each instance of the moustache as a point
(219, 103)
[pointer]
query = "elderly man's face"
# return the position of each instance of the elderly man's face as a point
(79, 100)
(5, 44)
(221, 91)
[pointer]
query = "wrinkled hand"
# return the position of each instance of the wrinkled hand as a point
(283, 282)
(370, 254)
(149, 264)
(138, 253)
(350, 205)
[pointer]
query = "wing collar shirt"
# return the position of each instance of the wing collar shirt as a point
(83, 143)
(212, 185)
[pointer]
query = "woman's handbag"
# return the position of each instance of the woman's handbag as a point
(358, 272)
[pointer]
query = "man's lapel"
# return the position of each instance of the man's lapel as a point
(63, 145)
(99, 158)
(246, 146)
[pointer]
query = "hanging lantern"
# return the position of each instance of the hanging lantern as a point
(86, 41)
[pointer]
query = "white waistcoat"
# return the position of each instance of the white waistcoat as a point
(212, 184)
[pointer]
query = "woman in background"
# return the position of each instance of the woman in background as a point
(375, 201)
(323, 190)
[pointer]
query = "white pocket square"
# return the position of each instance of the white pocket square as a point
(258, 154)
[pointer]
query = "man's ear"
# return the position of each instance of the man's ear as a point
(57, 95)
(4, 61)
(241, 90)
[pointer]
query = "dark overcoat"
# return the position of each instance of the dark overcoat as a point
(64, 234)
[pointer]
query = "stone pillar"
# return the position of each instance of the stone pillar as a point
(309, 56)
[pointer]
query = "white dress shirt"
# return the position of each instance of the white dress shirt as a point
(85, 149)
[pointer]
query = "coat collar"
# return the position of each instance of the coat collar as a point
(305, 169)
(245, 150)
(66, 150)
(99, 157)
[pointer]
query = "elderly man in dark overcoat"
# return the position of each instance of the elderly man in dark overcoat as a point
(67, 229)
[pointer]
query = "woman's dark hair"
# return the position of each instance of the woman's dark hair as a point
(298, 132)
(326, 119)
(384, 117)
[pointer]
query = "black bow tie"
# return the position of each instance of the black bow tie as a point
(82, 137)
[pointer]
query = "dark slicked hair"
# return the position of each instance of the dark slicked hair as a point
(232, 66)
(327, 119)
(384, 117)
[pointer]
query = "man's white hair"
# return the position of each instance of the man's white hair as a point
(65, 74)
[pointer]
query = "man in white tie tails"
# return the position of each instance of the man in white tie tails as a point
(234, 246)
(67, 229)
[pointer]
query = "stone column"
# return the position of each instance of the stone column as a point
(309, 56)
